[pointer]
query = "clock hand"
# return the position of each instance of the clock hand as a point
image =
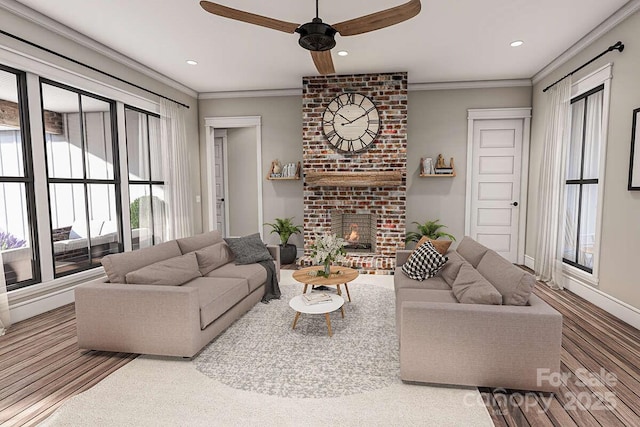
(343, 118)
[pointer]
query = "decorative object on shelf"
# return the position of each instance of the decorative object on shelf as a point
(431, 231)
(327, 249)
(288, 171)
(284, 228)
(427, 166)
(351, 122)
(440, 168)
(634, 163)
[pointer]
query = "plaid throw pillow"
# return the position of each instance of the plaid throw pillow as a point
(424, 262)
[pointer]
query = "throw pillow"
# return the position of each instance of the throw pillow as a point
(213, 256)
(513, 283)
(471, 288)
(249, 249)
(441, 246)
(424, 262)
(170, 272)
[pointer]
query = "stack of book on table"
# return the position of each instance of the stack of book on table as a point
(316, 298)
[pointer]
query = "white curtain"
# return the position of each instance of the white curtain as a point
(551, 195)
(5, 320)
(176, 170)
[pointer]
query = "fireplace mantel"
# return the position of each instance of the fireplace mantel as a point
(354, 179)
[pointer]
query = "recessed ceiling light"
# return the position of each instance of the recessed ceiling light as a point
(517, 43)
(192, 62)
(343, 53)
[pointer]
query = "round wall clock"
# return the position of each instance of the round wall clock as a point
(351, 122)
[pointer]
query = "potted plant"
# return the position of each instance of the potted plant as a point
(284, 228)
(430, 229)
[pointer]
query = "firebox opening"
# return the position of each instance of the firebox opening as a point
(359, 230)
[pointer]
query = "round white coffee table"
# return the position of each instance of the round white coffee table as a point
(324, 308)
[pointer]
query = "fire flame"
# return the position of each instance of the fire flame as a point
(353, 236)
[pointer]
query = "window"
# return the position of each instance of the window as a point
(146, 184)
(84, 186)
(582, 179)
(18, 240)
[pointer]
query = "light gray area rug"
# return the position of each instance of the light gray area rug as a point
(260, 372)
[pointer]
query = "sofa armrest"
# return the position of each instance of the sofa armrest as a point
(402, 255)
(149, 319)
(482, 345)
(274, 250)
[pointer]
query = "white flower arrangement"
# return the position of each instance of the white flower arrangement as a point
(328, 249)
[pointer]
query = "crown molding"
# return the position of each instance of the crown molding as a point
(260, 93)
(480, 84)
(608, 24)
(472, 84)
(56, 27)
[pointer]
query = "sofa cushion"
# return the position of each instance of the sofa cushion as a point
(213, 256)
(216, 296)
(441, 246)
(471, 250)
(170, 272)
(248, 249)
(255, 274)
(471, 288)
(199, 241)
(401, 281)
(449, 271)
(512, 282)
(118, 265)
(424, 262)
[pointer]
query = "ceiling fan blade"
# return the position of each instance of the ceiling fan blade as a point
(323, 61)
(377, 20)
(251, 18)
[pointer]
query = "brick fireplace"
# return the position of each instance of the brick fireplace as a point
(366, 188)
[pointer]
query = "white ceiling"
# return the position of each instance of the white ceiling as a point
(450, 40)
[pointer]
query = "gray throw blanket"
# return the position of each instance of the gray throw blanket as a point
(271, 287)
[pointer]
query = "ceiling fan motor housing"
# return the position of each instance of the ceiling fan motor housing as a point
(316, 35)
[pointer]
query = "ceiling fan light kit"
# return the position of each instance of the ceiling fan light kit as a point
(316, 36)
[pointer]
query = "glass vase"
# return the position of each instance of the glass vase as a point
(327, 268)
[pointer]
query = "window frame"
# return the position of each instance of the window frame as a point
(601, 76)
(581, 182)
(149, 182)
(27, 179)
(84, 181)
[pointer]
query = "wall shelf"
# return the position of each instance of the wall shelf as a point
(295, 177)
(437, 175)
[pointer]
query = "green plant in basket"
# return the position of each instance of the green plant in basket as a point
(430, 229)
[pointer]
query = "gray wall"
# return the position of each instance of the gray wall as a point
(34, 33)
(437, 123)
(242, 181)
(281, 139)
(620, 224)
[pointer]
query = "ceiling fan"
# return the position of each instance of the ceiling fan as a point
(317, 36)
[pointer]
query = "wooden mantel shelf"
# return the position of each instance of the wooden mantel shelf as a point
(354, 179)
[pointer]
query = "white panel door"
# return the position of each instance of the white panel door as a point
(496, 174)
(218, 147)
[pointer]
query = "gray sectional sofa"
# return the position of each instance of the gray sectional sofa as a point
(171, 299)
(476, 323)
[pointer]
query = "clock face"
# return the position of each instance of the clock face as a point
(351, 122)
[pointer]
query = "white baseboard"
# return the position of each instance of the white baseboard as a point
(529, 262)
(608, 303)
(33, 307)
(612, 305)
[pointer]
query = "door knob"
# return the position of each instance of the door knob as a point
(514, 204)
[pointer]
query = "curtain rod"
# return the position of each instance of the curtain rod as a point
(13, 36)
(618, 46)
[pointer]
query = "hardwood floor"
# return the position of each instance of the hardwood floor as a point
(41, 367)
(600, 368)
